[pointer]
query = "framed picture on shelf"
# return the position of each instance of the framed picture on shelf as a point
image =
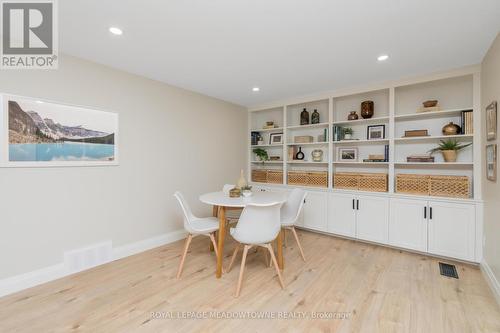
(375, 132)
(347, 154)
(276, 138)
(491, 162)
(491, 121)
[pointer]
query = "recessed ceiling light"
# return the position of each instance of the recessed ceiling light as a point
(255, 89)
(116, 31)
(383, 57)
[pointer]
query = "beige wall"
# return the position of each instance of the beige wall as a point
(490, 91)
(170, 139)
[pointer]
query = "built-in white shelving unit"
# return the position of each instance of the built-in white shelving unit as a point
(397, 107)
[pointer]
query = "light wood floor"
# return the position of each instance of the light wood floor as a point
(380, 289)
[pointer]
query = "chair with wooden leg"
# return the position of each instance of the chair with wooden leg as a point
(194, 226)
(290, 212)
(232, 213)
(259, 225)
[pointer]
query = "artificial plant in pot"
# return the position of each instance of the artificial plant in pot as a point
(348, 133)
(261, 154)
(449, 149)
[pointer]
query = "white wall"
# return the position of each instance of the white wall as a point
(490, 91)
(170, 139)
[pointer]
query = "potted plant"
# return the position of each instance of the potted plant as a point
(449, 149)
(261, 154)
(348, 133)
(246, 191)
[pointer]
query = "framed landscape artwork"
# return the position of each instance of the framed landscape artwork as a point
(40, 133)
(491, 162)
(491, 121)
(347, 154)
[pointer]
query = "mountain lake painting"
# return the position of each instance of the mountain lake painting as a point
(59, 135)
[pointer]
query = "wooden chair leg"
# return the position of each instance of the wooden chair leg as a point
(212, 238)
(276, 265)
(242, 269)
(236, 249)
(284, 237)
(186, 247)
(298, 243)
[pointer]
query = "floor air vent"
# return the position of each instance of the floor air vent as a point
(448, 270)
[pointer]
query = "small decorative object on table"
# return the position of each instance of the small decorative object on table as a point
(347, 154)
(491, 121)
(449, 149)
(451, 129)
(415, 133)
(260, 140)
(269, 125)
(430, 105)
(234, 193)
(246, 191)
(317, 155)
(315, 117)
(352, 116)
(491, 162)
(367, 109)
(299, 155)
(276, 138)
(375, 132)
(348, 133)
(304, 117)
(261, 154)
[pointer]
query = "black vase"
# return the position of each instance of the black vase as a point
(299, 155)
(304, 117)
(315, 117)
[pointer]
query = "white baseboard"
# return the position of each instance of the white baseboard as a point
(20, 282)
(491, 279)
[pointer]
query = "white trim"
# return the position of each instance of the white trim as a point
(491, 280)
(27, 280)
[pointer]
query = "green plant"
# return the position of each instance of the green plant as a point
(449, 145)
(348, 130)
(246, 188)
(261, 153)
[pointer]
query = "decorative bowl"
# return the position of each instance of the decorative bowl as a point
(430, 103)
(246, 194)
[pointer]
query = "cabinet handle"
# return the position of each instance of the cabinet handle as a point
(353, 207)
(357, 204)
(430, 213)
(425, 212)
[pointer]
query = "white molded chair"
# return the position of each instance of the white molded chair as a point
(233, 214)
(206, 226)
(259, 225)
(290, 212)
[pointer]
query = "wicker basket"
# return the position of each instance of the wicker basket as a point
(434, 185)
(267, 176)
(259, 176)
(305, 178)
(375, 182)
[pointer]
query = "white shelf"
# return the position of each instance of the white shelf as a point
(309, 126)
(305, 162)
(362, 121)
(267, 129)
(308, 144)
(268, 162)
(435, 137)
(275, 145)
(439, 164)
(343, 142)
(363, 163)
(431, 114)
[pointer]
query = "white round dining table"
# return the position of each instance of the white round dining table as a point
(222, 202)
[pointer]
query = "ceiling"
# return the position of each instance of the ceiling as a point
(288, 48)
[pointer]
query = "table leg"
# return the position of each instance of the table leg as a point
(214, 214)
(279, 245)
(220, 244)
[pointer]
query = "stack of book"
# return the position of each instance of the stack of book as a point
(420, 158)
(338, 133)
(467, 122)
(254, 138)
(379, 158)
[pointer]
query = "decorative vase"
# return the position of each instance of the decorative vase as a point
(367, 108)
(449, 155)
(299, 155)
(317, 155)
(347, 136)
(315, 117)
(451, 129)
(304, 117)
(241, 182)
(352, 116)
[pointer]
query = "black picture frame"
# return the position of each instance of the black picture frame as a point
(368, 137)
(271, 138)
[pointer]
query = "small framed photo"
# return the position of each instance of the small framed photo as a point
(491, 121)
(347, 154)
(491, 162)
(375, 132)
(276, 138)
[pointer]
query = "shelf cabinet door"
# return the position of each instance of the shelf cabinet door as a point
(372, 219)
(452, 230)
(341, 214)
(408, 224)
(315, 211)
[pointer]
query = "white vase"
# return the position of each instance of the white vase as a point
(241, 182)
(347, 136)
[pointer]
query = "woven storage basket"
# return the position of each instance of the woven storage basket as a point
(376, 182)
(304, 178)
(412, 184)
(449, 186)
(259, 176)
(275, 176)
(346, 180)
